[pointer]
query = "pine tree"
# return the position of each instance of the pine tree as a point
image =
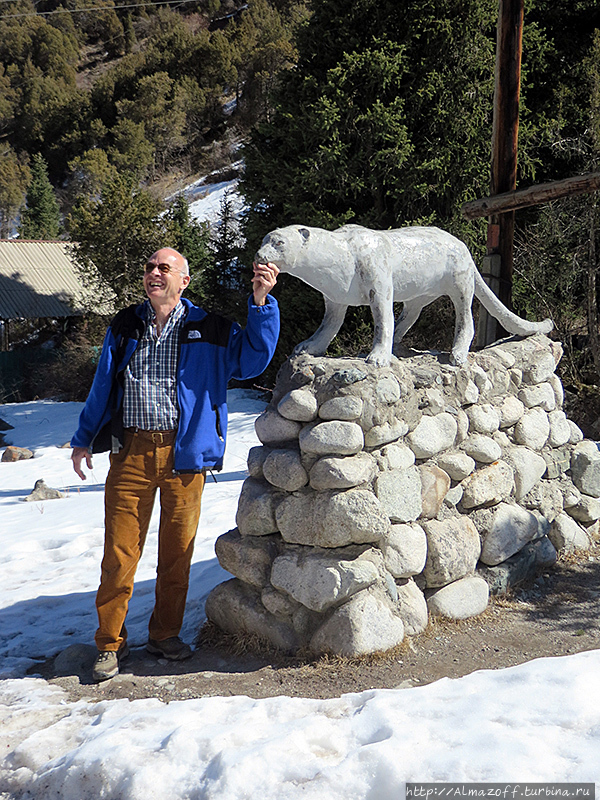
(227, 288)
(41, 216)
(130, 37)
(190, 238)
(115, 234)
(14, 177)
(384, 121)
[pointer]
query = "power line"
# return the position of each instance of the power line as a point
(49, 71)
(94, 8)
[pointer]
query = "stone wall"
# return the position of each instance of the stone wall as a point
(381, 496)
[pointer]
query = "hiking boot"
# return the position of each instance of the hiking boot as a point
(106, 665)
(173, 648)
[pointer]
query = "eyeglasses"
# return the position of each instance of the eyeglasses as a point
(164, 268)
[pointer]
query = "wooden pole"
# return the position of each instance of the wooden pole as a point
(506, 96)
(504, 157)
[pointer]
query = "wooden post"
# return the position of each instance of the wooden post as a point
(4, 335)
(504, 152)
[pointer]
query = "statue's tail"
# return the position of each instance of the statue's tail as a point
(509, 321)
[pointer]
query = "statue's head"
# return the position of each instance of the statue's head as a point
(282, 247)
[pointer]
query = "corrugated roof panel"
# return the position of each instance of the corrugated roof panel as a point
(39, 279)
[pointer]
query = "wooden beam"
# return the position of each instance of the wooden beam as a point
(532, 196)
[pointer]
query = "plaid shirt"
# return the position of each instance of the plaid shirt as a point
(150, 400)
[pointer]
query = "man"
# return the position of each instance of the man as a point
(158, 402)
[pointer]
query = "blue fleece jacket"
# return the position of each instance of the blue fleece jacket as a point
(212, 350)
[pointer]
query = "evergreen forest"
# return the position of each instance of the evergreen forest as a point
(377, 112)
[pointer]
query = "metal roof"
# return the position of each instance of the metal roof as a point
(40, 279)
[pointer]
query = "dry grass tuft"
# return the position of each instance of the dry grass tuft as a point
(241, 644)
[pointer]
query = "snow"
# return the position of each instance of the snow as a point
(208, 206)
(536, 722)
(205, 199)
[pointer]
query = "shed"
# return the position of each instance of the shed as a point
(39, 280)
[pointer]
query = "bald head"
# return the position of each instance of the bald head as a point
(166, 255)
(166, 276)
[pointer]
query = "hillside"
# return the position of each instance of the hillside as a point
(160, 92)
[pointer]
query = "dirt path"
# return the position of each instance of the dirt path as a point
(557, 615)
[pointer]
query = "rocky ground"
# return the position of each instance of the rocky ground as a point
(556, 615)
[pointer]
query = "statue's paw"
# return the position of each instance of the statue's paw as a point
(458, 358)
(378, 358)
(309, 348)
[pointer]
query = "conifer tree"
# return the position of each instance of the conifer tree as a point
(227, 288)
(118, 231)
(191, 238)
(384, 121)
(41, 217)
(14, 176)
(130, 37)
(115, 234)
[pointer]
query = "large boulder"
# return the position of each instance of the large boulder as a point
(585, 468)
(284, 470)
(332, 438)
(237, 608)
(43, 492)
(256, 508)
(13, 453)
(433, 435)
(464, 598)
(453, 548)
(565, 534)
(320, 581)
(528, 468)
(400, 493)
(337, 472)
(248, 558)
(331, 519)
(457, 465)
(509, 529)
(412, 607)
(299, 405)
(346, 407)
(483, 418)
(273, 429)
(365, 624)
(512, 572)
(404, 550)
(488, 485)
(435, 484)
(533, 429)
(482, 448)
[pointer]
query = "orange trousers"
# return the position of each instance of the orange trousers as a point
(144, 465)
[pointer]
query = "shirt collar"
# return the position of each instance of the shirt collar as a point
(174, 316)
